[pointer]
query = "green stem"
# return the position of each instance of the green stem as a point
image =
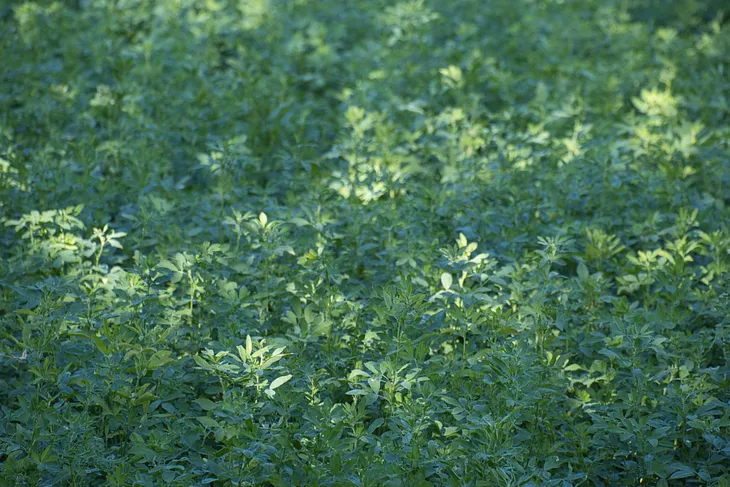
(98, 255)
(192, 294)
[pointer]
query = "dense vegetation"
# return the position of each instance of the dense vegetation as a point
(364, 243)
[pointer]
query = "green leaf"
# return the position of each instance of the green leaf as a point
(680, 471)
(582, 271)
(300, 222)
(446, 280)
(202, 363)
(208, 422)
(377, 423)
(160, 358)
(279, 381)
(205, 403)
(309, 314)
(95, 339)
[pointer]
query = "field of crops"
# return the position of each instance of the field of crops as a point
(365, 243)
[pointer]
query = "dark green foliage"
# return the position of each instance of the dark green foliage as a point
(364, 243)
